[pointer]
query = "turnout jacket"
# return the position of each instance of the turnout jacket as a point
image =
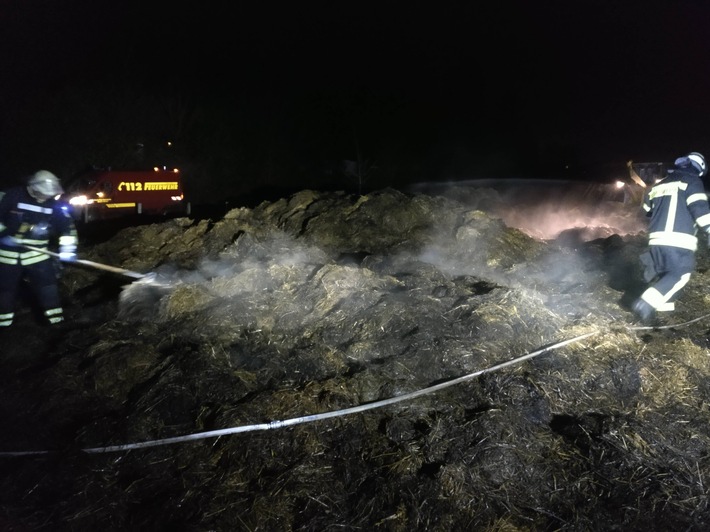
(677, 206)
(34, 223)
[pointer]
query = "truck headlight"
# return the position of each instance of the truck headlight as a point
(78, 201)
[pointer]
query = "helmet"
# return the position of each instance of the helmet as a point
(698, 162)
(44, 185)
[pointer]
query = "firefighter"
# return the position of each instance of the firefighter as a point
(677, 206)
(33, 215)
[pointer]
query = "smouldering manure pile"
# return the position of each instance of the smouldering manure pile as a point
(322, 302)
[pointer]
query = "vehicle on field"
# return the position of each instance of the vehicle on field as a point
(109, 194)
(641, 177)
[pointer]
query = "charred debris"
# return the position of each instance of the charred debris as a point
(321, 302)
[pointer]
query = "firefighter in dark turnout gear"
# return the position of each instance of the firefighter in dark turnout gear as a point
(33, 215)
(677, 207)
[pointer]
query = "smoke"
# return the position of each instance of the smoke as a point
(273, 280)
(250, 274)
(545, 209)
(550, 212)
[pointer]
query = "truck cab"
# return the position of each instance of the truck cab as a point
(109, 194)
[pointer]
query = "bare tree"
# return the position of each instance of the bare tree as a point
(359, 170)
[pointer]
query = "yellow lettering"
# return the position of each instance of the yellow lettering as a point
(161, 185)
(137, 186)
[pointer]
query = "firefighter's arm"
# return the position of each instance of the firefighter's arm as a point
(646, 205)
(68, 236)
(697, 202)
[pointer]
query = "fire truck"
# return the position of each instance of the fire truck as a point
(109, 194)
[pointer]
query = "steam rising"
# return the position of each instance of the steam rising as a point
(545, 209)
(278, 282)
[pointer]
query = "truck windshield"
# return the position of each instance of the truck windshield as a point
(81, 185)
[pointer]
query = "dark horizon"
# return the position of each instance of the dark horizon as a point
(280, 95)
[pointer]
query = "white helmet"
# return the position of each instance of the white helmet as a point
(44, 185)
(698, 162)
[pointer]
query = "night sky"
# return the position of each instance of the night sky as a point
(446, 91)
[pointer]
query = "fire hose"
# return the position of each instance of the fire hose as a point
(96, 265)
(276, 424)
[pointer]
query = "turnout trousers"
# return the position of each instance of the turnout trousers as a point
(42, 280)
(671, 272)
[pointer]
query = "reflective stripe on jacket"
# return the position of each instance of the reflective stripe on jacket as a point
(677, 206)
(8, 256)
(19, 213)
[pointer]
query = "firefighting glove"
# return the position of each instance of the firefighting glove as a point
(67, 254)
(39, 231)
(9, 241)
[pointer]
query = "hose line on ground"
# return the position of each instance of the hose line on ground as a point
(314, 417)
(673, 326)
(347, 411)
